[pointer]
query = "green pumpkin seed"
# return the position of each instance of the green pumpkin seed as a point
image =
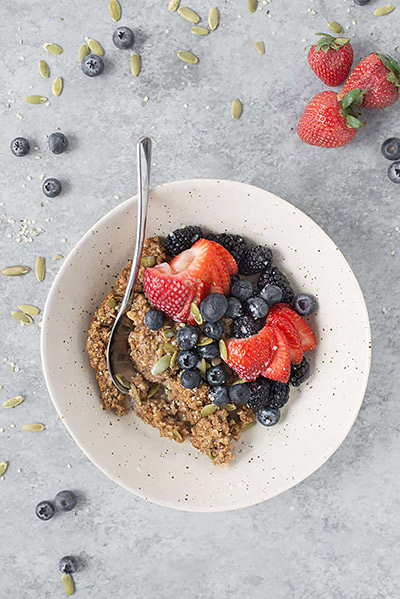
(173, 5)
(238, 382)
(208, 365)
(177, 434)
(200, 30)
(95, 47)
(222, 350)
(161, 365)
(168, 347)
(259, 46)
(34, 427)
(383, 10)
(236, 109)
(252, 5)
(173, 359)
(188, 14)
(28, 309)
(205, 341)
(13, 402)
(187, 57)
(249, 425)
(122, 381)
(57, 86)
(135, 64)
(153, 390)
(53, 48)
(213, 18)
(83, 52)
(68, 584)
(21, 317)
(40, 268)
(3, 467)
(202, 366)
(335, 27)
(229, 407)
(196, 313)
(115, 10)
(216, 361)
(208, 410)
(148, 261)
(168, 333)
(135, 393)
(111, 303)
(44, 69)
(35, 99)
(208, 452)
(15, 271)
(58, 257)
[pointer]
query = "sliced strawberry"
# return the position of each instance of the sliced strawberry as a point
(227, 257)
(219, 278)
(308, 340)
(291, 334)
(249, 356)
(279, 367)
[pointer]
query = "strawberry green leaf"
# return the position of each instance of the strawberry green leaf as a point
(353, 122)
(353, 96)
(342, 41)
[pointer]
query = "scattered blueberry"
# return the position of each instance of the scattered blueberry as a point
(182, 239)
(275, 277)
(268, 416)
(391, 148)
(187, 358)
(257, 307)
(235, 308)
(190, 379)
(45, 510)
(208, 352)
(187, 337)
(92, 65)
(213, 307)
(215, 330)
(304, 304)
(51, 188)
(245, 326)
(260, 392)
(219, 395)
(154, 319)
(361, 2)
(255, 259)
(123, 38)
(394, 172)
(242, 290)
(239, 393)
(57, 142)
(235, 244)
(216, 375)
(299, 373)
(20, 146)
(68, 564)
(272, 294)
(65, 501)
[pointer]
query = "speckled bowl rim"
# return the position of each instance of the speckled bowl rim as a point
(53, 391)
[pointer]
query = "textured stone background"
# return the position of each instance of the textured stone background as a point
(336, 534)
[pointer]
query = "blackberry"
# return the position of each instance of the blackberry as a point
(245, 326)
(299, 373)
(255, 259)
(260, 393)
(278, 394)
(235, 244)
(182, 239)
(274, 276)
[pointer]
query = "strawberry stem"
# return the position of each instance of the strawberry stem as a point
(351, 108)
(328, 41)
(392, 66)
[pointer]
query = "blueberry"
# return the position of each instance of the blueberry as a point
(45, 510)
(51, 188)
(394, 172)
(235, 308)
(208, 352)
(268, 416)
(190, 379)
(57, 142)
(272, 294)
(239, 393)
(123, 38)
(391, 148)
(20, 146)
(187, 358)
(68, 564)
(213, 307)
(219, 395)
(187, 337)
(257, 307)
(154, 319)
(92, 65)
(216, 375)
(65, 501)
(242, 290)
(361, 2)
(215, 330)
(245, 326)
(304, 304)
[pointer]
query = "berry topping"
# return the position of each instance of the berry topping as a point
(304, 304)
(51, 188)
(45, 510)
(214, 330)
(394, 172)
(307, 337)
(255, 259)
(245, 326)
(216, 375)
(276, 320)
(235, 308)
(123, 38)
(278, 395)
(300, 373)
(268, 416)
(272, 294)
(219, 395)
(256, 307)
(154, 319)
(279, 367)
(239, 393)
(20, 146)
(391, 148)
(213, 307)
(68, 564)
(259, 394)
(208, 352)
(65, 501)
(92, 65)
(248, 357)
(235, 244)
(187, 337)
(57, 142)
(190, 379)
(187, 359)
(274, 276)
(181, 239)
(242, 290)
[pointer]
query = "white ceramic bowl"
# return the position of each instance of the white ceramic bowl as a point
(268, 460)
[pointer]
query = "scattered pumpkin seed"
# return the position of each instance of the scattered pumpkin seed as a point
(177, 434)
(13, 402)
(161, 365)
(236, 109)
(213, 18)
(173, 5)
(52, 48)
(57, 86)
(196, 314)
(21, 317)
(249, 425)
(259, 46)
(383, 10)
(95, 46)
(202, 366)
(187, 57)
(123, 381)
(208, 365)
(83, 52)
(148, 261)
(111, 303)
(216, 361)
(135, 64)
(229, 407)
(168, 347)
(168, 333)
(205, 341)
(208, 452)
(188, 14)
(200, 30)
(135, 393)
(34, 427)
(15, 271)
(252, 5)
(173, 359)
(153, 390)
(28, 309)
(115, 10)
(44, 69)
(238, 382)
(131, 315)
(208, 410)
(222, 349)
(58, 257)
(335, 27)
(40, 269)
(68, 584)
(35, 99)
(3, 467)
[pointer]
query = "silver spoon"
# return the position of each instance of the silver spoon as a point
(118, 361)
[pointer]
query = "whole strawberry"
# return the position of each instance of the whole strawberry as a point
(379, 76)
(331, 59)
(330, 122)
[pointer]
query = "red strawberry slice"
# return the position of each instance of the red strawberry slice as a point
(291, 334)
(227, 257)
(279, 367)
(308, 340)
(248, 357)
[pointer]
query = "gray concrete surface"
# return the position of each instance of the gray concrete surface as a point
(336, 534)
